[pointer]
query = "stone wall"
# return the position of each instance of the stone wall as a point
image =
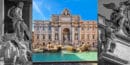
(1, 16)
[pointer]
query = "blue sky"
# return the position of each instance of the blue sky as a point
(43, 9)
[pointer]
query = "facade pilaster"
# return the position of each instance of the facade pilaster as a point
(53, 34)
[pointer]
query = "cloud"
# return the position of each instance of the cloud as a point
(36, 7)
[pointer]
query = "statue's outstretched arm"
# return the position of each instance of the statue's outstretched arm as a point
(9, 11)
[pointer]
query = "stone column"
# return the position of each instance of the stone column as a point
(30, 16)
(79, 32)
(86, 34)
(70, 34)
(46, 33)
(73, 34)
(60, 34)
(1, 17)
(53, 34)
(40, 34)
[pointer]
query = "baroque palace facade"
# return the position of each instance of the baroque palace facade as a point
(65, 29)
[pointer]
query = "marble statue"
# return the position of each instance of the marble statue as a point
(15, 13)
(114, 32)
(119, 18)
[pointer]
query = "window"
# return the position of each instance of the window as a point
(93, 36)
(82, 37)
(93, 27)
(93, 44)
(88, 27)
(56, 28)
(76, 36)
(43, 43)
(82, 28)
(88, 36)
(56, 36)
(46, 29)
(37, 28)
(43, 28)
(49, 28)
(50, 36)
(37, 36)
(43, 36)
(76, 29)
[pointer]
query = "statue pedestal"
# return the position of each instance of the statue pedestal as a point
(120, 54)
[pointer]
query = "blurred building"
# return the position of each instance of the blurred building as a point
(65, 29)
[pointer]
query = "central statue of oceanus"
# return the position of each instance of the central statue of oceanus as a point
(19, 26)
